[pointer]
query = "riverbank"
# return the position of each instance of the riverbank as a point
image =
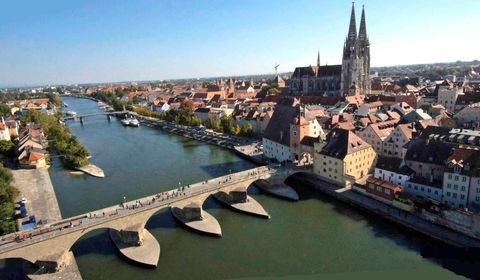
(37, 187)
(388, 212)
(251, 147)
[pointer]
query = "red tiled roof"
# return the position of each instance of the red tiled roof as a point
(35, 156)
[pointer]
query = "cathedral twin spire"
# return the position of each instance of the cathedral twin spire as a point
(356, 56)
(352, 30)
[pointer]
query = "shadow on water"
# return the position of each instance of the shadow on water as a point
(211, 203)
(458, 260)
(162, 219)
(95, 242)
(16, 269)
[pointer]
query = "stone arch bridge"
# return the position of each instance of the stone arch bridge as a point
(49, 244)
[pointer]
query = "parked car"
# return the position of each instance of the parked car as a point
(23, 211)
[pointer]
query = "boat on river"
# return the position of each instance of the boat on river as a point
(134, 122)
(102, 105)
(130, 122)
(71, 113)
(125, 122)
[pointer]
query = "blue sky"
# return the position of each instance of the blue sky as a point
(46, 41)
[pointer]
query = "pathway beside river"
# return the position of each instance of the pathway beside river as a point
(35, 185)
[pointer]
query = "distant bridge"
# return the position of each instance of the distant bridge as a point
(83, 116)
(48, 244)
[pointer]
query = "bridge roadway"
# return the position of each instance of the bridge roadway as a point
(66, 118)
(29, 244)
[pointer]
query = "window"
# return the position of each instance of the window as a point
(455, 187)
(477, 198)
(436, 192)
(463, 188)
(449, 194)
(422, 189)
(416, 188)
(454, 195)
(462, 196)
(464, 179)
(449, 176)
(294, 133)
(409, 186)
(380, 171)
(387, 191)
(456, 178)
(449, 186)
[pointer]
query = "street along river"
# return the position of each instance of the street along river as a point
(315, 238)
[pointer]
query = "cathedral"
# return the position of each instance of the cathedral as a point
(352, 77)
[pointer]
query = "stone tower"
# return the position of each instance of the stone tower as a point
(356, 58)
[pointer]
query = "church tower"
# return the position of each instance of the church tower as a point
(363, 57)
(356, 57)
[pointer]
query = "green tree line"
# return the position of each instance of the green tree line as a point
(183, 116)
(8, 193)
(73, 154)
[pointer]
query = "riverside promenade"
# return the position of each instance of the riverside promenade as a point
(388, 212)
(36, 186)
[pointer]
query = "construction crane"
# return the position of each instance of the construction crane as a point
(276, 68)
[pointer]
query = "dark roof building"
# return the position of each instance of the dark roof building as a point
(342, 142)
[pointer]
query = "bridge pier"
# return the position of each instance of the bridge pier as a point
(109, 118)
(137, 244)
(193, 216)
(239, 200)
(81, 120)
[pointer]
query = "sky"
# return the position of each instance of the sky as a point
(57, 42)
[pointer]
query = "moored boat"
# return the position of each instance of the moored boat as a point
(134, 122)
(125, 122)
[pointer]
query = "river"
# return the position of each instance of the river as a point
(315, 238)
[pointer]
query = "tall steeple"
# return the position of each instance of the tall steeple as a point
(362, 35)
(352, 31)
(318, 59)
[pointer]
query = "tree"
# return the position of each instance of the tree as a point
(247, 130)
(7, 147)
(208, 123)
(227, 124)
(195, 121)
(237, 130)
(7, 196)
(4, 110)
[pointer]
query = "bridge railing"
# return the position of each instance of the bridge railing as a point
(163, 199)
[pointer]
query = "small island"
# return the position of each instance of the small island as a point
(72, 154)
